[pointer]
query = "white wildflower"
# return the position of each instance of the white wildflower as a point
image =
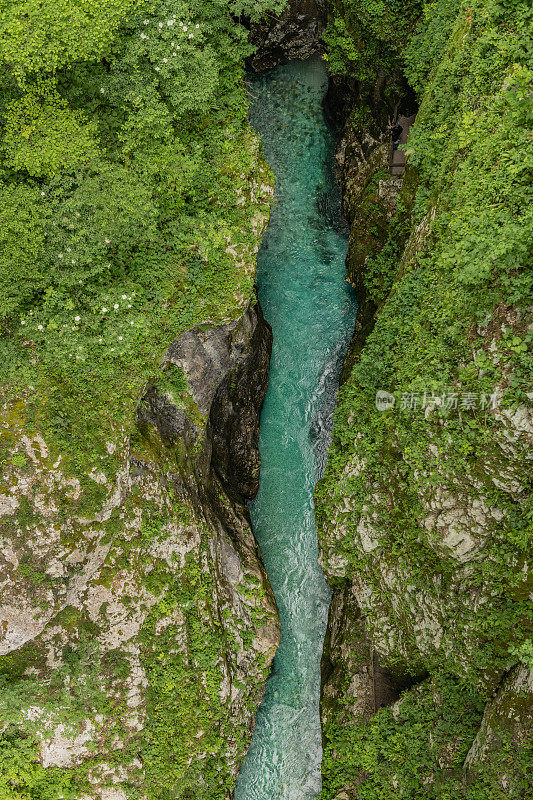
(104, 310)
(129, 305)
(160, 24)
(165, 60)
(60, 255)
(116, 305)
(77, 319)
(124, 297)
(146, 21)
(102, 90)
(131, 323)
(157, 69)
(23, 322)
(39, 327)
(107, 241)
(197, 26)
(170, 22)
(120, 338)
(184, 28)
(42, 194)
(191, 35)
(68, 249)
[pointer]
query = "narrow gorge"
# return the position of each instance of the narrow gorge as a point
(265, 400)
(302, 289)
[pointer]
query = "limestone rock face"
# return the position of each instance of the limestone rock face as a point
(226, 369)
(153, 612)
(508, 714)
(350, 661)
(459, 520)
(420, 597)
(295, 34)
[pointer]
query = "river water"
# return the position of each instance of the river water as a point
(304, 295)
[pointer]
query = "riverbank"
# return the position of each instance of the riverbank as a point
(422, 515)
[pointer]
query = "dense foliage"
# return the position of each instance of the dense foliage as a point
(364, 38)
(126, 160)
(451, 318)
(132, 197)
(418, 751)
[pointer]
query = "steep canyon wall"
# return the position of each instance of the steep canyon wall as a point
(137, 621)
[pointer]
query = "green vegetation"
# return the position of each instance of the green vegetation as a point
(130, 192)
(418, 750)
(451, 319)
(127, 166)
(364, 37)
(23, 778)
(132, 197)
(188, 725)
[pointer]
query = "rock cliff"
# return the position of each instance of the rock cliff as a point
(137, 623)
(420, 510)
(296, 33)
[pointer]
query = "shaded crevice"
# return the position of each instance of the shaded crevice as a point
(233, 427)
(295, 34)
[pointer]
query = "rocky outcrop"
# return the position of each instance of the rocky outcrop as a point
(174, 526)
(355, 684)
(371, 197)
(226, 372)
(459, 522)
(296, 33)
(419, 509)
(507, 718)
(110, 593)
(137, 623)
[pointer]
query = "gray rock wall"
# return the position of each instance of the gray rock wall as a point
(156, 606)
(296, 33)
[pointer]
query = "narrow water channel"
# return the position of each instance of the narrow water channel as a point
(311, 309)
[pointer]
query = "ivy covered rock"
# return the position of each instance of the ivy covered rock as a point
(425, 512)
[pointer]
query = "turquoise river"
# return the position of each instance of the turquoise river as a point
(311, 308)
